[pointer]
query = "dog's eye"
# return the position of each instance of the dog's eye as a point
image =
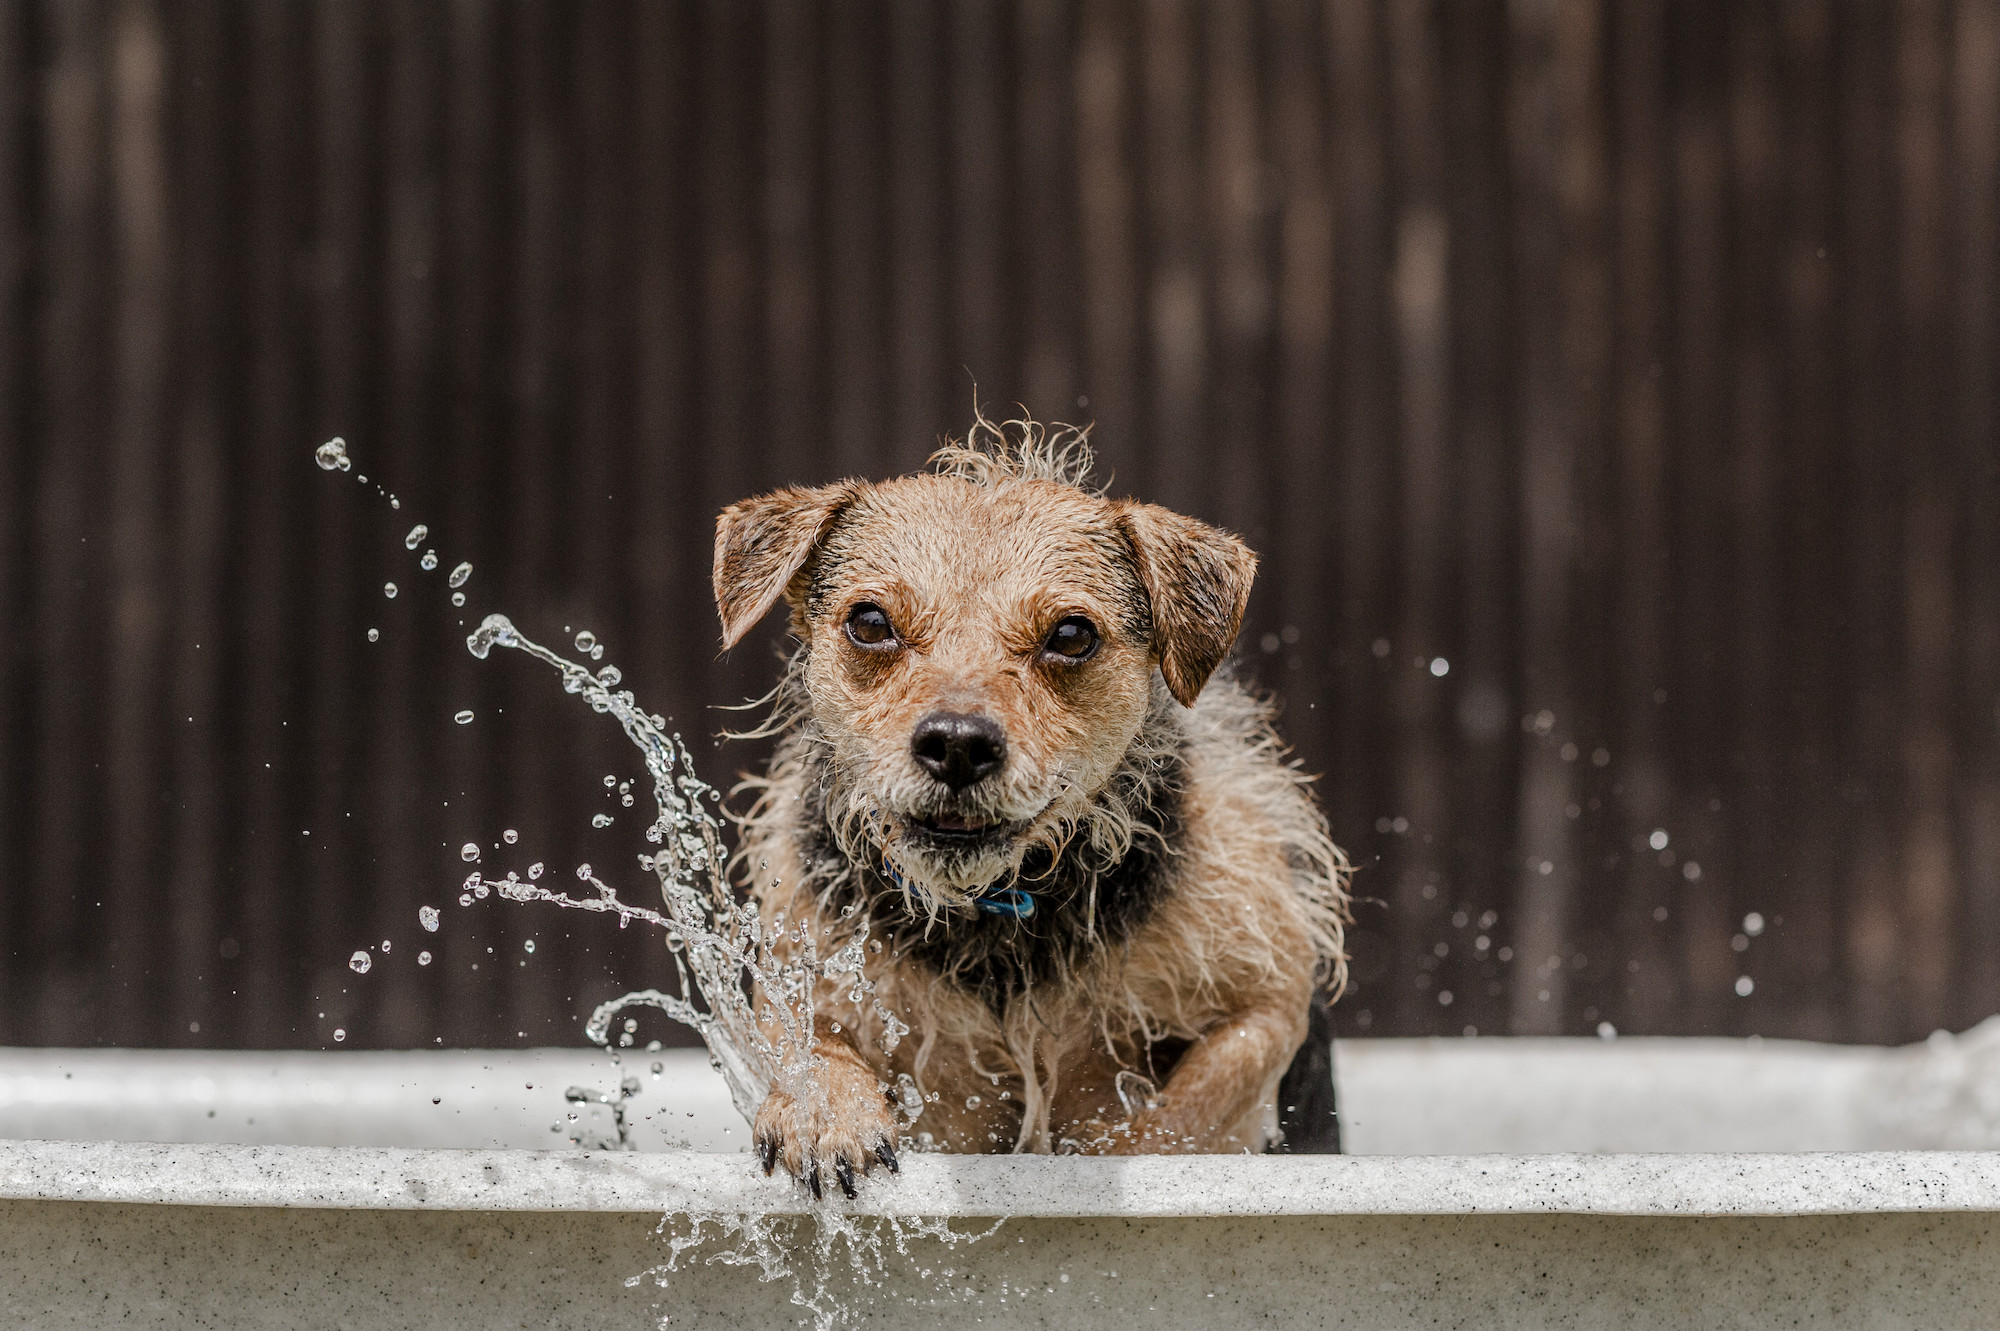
(1073, 640)
(867, 626)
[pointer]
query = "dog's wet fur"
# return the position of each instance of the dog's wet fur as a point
(1008, 741)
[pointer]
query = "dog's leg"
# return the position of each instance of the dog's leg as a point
(1214, 1090)
(837, 1122)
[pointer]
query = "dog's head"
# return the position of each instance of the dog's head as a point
(979, 644)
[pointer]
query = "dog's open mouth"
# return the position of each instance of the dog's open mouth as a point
(960, 829)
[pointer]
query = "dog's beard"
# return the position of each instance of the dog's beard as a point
(888, 819)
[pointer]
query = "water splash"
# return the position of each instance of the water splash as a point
(716, 941)
(332, 455)
(826, 1287)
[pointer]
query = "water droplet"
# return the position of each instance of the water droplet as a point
(423, 958)
(360, 962)
(528, 945)
(389, 590)
(1753, 924)
(416, 536)
(464, 718)
(459, 575)
(385, 945)
(492, 629)
(610, 781)
(465, 898)
(625, 800)
(610, 676)
(1440, 667)
(535, 869)
(510, 836)
(332, 455)
(585, 640)
(1745, 986)
(469, 851)
(600, 820)
(374, 635)
(429, 561)
(597, 652)
(1658, 841)
(428, 917)
(458, 598)
(583, 873)
(973, 1102)
(339, 1033)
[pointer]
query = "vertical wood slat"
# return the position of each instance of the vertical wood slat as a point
(18, 969)
(140, 346)
(1538, 131)
(475, 355)
(194, 483)
(1175, 309)
(1922, 400)
(538, 193)
(1871, 499)
(856, 325)
(69, 658)
(1640, 794)
(1741, 870)
(1361, 450)
(1805, 955)
(1420, 303)
(1302, 295)
(1484, 704)
(342, 736)
(1697, 698)
(1107, 207)
(980, 165)
(1975, 120)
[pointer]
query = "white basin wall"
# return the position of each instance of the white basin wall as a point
(201, 1229)
(1397, 1097)
(98, 1234)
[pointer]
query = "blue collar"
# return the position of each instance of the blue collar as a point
(1013, 901)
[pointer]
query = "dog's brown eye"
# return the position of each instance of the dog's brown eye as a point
(1074, 639)
(867, 626)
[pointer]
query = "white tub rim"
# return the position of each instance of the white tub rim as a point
(686, 1182)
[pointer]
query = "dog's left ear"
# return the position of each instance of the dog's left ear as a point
(1197, 579)
(760, 546)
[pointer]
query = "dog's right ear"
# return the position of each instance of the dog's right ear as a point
(762, 543)
(1197, 581)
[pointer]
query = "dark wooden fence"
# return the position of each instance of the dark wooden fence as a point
(1609, 387)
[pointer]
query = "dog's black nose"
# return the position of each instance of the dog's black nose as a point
(958, 749)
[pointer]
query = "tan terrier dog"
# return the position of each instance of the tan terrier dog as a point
(1086, 866)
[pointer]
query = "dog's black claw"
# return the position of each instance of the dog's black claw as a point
(768, 1149)
(887, 1155)
(845, 1173)
(812, 1181)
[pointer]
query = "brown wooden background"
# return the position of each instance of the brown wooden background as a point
(1637, 359)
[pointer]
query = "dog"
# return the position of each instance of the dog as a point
(1097, 892)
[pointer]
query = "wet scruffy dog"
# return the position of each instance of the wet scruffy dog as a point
(1104, 899)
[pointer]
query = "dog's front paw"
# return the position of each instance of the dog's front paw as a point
(842, 1123)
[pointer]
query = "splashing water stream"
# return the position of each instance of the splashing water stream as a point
(743, 984)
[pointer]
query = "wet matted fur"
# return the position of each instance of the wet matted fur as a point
(1106, 910)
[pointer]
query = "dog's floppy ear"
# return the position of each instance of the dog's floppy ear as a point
(1197, 579)
(762, 543)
